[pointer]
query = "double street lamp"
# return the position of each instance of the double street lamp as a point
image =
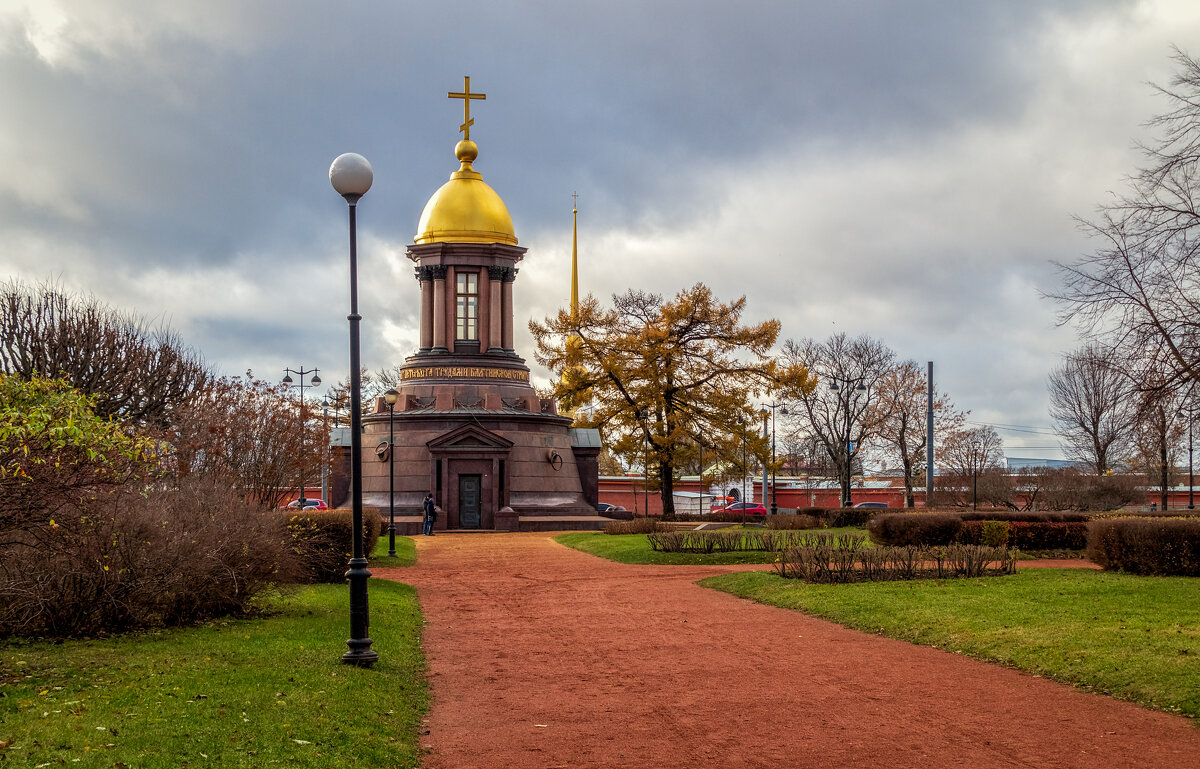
(782, 410)
(351, 175)
(838, 385)
(315, 381)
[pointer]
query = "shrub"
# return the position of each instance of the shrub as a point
(837, 517)
(849, 560)
(916, 529)
(1162, 546)
(324, 540)
(635, 526)
(128, 561)
(799, 521)
(994, 533)
(1048, 535)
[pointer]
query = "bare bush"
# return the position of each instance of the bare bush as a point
(128, 561)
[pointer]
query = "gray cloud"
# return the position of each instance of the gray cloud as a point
(900, 169)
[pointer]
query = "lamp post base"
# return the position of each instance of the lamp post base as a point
(360, 653)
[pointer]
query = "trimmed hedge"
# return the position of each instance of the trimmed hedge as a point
(1160, 546)
(799, 521)
(914, 529)
(324, 540)
(1029, 517)
(1026, 535)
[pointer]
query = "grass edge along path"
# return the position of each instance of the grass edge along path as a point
(1134, 638)
(233, 692)
(406, 552)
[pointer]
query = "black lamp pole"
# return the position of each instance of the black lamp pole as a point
(351, 176)
(287, 380)
(784, 411)
(390, 397)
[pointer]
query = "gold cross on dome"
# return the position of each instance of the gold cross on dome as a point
(466, 96)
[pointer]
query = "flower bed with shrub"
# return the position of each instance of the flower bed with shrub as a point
(1145, 545)
(832, 560)
(741, 541)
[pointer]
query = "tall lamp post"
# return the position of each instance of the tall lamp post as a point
(351, 175)
(287, 380)
(782, 410)
(390, 397)
(745, 466)
(1191, 475)
(838, 385)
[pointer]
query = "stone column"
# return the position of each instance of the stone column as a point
(425, 278)
(495, 310)
(506, 309)
(438, 273)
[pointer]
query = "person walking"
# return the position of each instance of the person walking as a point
(430, 515)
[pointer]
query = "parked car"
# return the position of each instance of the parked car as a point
(871, 504)
(309, 504)
(746, 508)
(603, 507)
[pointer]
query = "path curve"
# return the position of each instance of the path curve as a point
(541, 656)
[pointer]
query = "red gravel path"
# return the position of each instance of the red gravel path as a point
(541, 656)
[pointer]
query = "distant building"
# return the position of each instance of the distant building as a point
(1031, 463)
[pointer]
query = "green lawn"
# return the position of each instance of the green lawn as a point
(406, 552)
(635, 548)
(1137, 638)
(246, 693)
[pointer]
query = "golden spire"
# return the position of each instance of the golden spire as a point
(575, 257)
(466, 96)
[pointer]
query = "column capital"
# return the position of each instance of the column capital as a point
(497, 273)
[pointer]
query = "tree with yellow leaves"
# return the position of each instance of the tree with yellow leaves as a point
(665, 379)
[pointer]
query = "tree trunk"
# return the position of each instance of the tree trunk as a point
(666, 484)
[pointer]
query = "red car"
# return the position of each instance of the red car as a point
(309, 504)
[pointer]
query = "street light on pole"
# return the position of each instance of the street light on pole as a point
(741, 420)
(351, 175)
(315, 381)
(390, 397)
(782, 410)
(845, 385)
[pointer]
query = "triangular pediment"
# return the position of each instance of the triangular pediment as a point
(469, 438)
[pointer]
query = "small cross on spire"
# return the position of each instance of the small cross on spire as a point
(466, 96)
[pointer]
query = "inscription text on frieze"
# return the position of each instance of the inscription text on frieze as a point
(470, 372)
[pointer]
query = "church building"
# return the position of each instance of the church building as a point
(469, 426)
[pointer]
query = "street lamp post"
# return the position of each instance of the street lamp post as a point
(351, 175)
(1192, 479)
(976, 460)
(745, 466)
(782, 410)
(859, 387)
(287, 380)
(390, 397)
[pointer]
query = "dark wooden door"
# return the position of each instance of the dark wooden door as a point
(469, 487)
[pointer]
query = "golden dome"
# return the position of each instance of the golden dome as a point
(465, 209)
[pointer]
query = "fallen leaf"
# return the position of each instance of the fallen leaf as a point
(302, 742)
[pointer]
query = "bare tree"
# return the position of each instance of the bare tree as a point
(252, 433)
(1139, 291)
(134, 373)
(1093, 404)
(974, 460)
(1161, 427)
(840, 412)
(901, 412)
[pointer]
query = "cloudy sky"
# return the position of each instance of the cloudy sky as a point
(906, 170)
